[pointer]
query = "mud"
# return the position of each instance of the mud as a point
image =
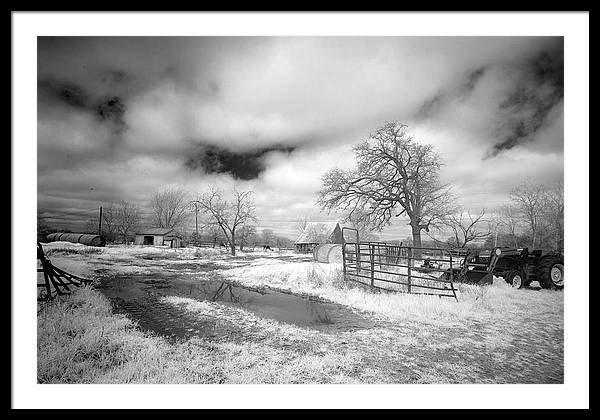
(139, 297)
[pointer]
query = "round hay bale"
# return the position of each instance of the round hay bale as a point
(314, 252)
(78, 238)
(335, 254)
(53, 237)
(328, 253)
(321, 253)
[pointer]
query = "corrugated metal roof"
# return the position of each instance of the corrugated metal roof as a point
(154, 231)
(316, 232)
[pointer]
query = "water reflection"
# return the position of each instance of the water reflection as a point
(139, 295)
(222, 290)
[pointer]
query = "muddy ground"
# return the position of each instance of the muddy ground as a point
(523, 347)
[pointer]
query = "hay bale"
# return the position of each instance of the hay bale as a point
(328, 253)
(320, 253)
(335, 254)
(81, 238)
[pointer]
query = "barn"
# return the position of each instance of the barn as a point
(316, 233)
(158, 236)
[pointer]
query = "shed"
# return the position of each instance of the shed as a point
(158, 236)
(316, 233)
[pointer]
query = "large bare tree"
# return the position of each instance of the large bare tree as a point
(229, 215)
(529, 198)
(170, 207)
(394, 176)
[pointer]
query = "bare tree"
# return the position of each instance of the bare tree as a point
(228, 215)
(554, 215)
(361, 221)
(109, 222)
(394, 175)
(246, 235)
(466, 227)
(268, 237)
(510, 220)
(283, 242)
(127, 217)
(170, 207)
(301, 223)
(214, 233)
(317, 233)
(528, 198)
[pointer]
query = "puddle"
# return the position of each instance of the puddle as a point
(138, 296)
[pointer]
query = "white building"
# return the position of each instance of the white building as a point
(158, 236)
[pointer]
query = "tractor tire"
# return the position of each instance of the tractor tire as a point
(551, 272)
(516, 278)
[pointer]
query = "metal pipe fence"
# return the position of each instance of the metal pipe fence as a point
(398, 268)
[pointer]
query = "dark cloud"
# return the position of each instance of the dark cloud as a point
(107, 109)
(243, 165)
(471, 80)
(65, 92)
(534, 95)
(112, 110)
(438, 102)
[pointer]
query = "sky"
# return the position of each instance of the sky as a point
(122, 117)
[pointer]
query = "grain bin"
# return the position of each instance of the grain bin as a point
(78, 238)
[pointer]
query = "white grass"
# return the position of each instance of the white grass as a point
(326, 281)
(81, 341)
(493, 334)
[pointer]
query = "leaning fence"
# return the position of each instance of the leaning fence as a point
(398, 268)
(56, 281)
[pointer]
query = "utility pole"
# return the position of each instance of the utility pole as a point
(100, 222)
(195, 203)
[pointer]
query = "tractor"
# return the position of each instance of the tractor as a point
(517, 266)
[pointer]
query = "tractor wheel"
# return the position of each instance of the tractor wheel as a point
(551, 272)
(516, 279)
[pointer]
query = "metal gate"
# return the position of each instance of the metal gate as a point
(397, 268)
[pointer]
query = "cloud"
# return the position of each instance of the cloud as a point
(274, 113)
(240, 165)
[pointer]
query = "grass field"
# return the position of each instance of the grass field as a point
(493, 334)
